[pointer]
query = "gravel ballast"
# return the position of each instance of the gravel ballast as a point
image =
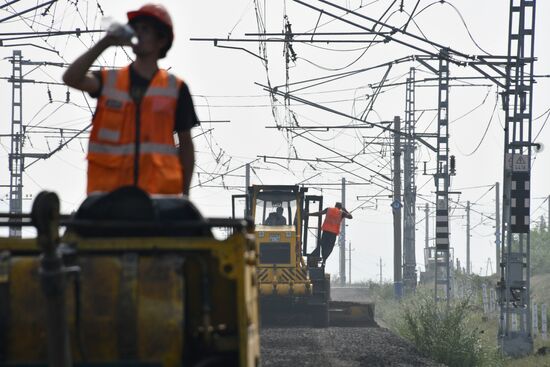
(338, 346)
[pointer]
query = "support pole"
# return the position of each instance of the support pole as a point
(427, 268)
(514, 285)
(246, 186)
(396, 209)
(16, 162)
(427, 219)
(349, 263)
(468, 258)
(343, 238)
(442, 183)
(409, 189)
(497, 226)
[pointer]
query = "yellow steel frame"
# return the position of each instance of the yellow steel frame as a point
(236, 256)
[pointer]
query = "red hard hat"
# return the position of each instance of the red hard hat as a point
(156, 11)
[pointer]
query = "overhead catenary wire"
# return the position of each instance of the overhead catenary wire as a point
(361, 55)
(486, 130)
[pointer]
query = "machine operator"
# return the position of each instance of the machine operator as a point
(276, 218)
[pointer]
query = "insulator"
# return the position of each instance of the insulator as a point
(68, 98)
(50, 95)
(453, 165)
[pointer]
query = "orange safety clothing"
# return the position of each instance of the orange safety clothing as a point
(133, 144)
(332, 221)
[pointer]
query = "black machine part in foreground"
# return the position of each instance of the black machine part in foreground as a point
(53, 276)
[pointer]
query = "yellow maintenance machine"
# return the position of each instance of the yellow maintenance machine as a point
(148, 287)
(294, 288)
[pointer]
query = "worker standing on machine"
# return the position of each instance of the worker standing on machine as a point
(331, 229)
(139, 108)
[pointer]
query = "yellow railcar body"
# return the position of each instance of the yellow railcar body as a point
(157, 300)
(281, 270)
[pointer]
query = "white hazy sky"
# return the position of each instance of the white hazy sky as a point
(222, 82)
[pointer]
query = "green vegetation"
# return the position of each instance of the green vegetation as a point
(447, 335)
(427, 326)
(540, 251)
(462, 336)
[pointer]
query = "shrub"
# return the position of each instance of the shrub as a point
(540, 252)
(442, 333)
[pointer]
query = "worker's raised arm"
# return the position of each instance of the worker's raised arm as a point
(187, 158)
(316, 214)
(346, 214)
(77, 74)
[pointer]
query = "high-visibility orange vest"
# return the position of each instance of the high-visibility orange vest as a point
(134, 144)
(332, 221)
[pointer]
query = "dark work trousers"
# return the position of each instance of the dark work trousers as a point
(325, 245)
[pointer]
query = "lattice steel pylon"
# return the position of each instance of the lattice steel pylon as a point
(16, 162)
(409, 188)
(515, 333)
(442, 183)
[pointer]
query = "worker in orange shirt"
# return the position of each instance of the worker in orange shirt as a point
(139, 109)
(331, 229)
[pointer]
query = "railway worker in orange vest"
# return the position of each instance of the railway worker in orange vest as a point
(139, 109)
(331, 229)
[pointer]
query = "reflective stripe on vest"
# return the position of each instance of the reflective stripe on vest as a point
(108, 134)
(332, 221)
(109, 88)
(129, 149)
(170, 91)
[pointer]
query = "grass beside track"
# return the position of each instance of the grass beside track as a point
(472, 341)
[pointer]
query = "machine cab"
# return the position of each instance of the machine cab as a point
(277, 215)
(277, 211)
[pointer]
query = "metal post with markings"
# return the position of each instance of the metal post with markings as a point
(409, 189)
(442, 182)
(342, 238)
(497, 226)
(427, 231)
(468, 238)
(396, 211)
(16, 162)
(16, 158)
(514, 284)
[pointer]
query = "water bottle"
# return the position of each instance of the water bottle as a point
(119, 30)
